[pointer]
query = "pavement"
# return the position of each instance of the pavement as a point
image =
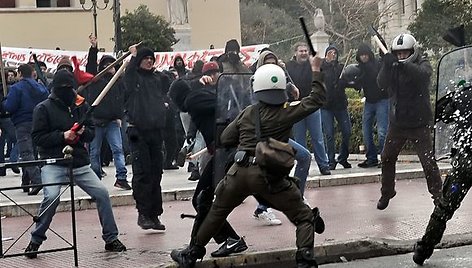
(347, 200)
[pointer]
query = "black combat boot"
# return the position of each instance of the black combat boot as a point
(319, 222)
(305, 258)
(422, 252)
(187, 257)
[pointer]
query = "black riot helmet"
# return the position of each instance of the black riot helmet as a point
(351, 74)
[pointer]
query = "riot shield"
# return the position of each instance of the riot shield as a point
(234, 93)
(454, 68)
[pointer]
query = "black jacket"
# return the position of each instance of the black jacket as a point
(145, 97)
(368, 79)
(51, 118)
(201, 105)
(112, 105)
(335, 87)
(408, 86)
(301, 75)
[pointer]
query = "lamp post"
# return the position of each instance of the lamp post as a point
(94, 8)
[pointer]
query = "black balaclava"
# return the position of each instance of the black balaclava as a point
(63, 87)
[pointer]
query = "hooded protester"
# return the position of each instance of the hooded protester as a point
(375, 105)
(106, 117)
(231, 61)
(335, 108)
(51, 131)
(146, 107)
(179, 66)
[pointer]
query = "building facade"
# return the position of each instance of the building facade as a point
(64, 24)
(396, 16)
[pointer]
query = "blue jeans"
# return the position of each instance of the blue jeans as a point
(112, 132)
(24, 142)
(344, 124)
(86, 179)
(312, 123)
(7, 136)
(302, 168)
(379, 111)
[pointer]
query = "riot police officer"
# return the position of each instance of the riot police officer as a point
(453, 108)
(245, 177)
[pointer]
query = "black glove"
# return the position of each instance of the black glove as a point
(388, 60)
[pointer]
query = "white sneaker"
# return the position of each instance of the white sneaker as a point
(268, 217)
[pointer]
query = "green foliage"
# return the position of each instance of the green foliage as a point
(261, 24)
(141, 25)
(435, 17)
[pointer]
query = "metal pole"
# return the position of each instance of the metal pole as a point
(74, 227)
(94, 3)
(117, 20)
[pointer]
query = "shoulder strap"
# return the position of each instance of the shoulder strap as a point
(257, 116)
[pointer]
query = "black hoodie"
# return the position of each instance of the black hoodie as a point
(368, 78)
(335, 87)
(112, 105)
(145, 94)
(181, 70)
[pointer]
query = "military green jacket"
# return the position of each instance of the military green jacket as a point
(276, 120)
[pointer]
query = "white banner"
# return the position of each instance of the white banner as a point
(14, 57)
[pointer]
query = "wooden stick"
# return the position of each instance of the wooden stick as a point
(197, 154)
(104, 71)
(110, 84)
(379, 43)
(2, 69)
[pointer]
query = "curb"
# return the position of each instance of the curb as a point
(83, 203)
(330, 253)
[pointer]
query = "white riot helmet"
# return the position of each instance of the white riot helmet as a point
(269, 84)
(405, 42)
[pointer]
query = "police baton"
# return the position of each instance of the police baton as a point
(307, 36)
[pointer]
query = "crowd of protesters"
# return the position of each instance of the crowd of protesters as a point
(140, 122)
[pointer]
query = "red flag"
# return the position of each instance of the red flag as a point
(81, 76)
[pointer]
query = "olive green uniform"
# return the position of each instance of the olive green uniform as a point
(247, 179)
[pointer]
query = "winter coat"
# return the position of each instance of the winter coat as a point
(408, 87)
(145, 96)
(368, 79)
(51, 118)
(22, 98)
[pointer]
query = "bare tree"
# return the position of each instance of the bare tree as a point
(347, 21)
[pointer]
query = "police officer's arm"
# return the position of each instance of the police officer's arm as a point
(41, 133)
(309, 104)
(230, 135)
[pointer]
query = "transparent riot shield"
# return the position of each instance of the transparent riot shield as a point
(454, 68)
(234, 93)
